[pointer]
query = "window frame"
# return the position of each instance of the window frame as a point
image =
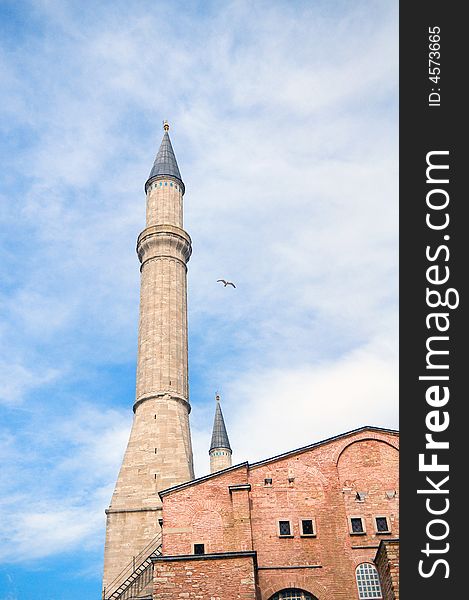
(307, 535)
(388, 522)
(365, 581)
(278, 595)
(284, 535)
(362, 519)
(198, 544)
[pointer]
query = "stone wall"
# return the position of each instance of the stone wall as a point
(220, 577)
(204, 514)
(387, 563)
(159, 451)
(220, 458)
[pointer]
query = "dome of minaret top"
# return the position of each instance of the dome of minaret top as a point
(165, 161)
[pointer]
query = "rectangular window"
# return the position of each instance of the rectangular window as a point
(268, 481)
(284, 528)
(307, 527)
(382, 525)
(199, 548)
(357, 526)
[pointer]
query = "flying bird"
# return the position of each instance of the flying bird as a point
(225, 283)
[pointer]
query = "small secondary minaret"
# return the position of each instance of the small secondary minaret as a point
(220, 449)
(159, 451)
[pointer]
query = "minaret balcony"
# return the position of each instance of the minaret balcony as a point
(164, 241)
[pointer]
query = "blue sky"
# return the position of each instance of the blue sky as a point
(284, 124)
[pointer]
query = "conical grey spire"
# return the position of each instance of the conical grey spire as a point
(165, 161)
(219, 435)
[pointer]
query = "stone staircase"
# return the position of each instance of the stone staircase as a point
(135, 581)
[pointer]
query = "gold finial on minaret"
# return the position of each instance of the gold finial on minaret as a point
(165, 125)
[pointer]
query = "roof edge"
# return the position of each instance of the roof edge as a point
(259, 463)
(181, 486)
(212, 556)
(321, 442)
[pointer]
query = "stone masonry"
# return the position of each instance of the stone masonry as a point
(217, 577)
(159, 451)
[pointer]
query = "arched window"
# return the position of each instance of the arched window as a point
(292, 594)
(368, 581)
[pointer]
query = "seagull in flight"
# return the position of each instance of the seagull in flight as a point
(225, 283)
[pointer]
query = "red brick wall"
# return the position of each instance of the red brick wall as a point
(320, 483)
(207, 579)
(387, 563)
(370, 467)
(203, 514)
(326, 480)
(241, 505)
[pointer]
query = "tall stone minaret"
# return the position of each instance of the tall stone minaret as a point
(159, 451)
(220, 449)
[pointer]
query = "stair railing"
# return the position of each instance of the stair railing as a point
(133, 565)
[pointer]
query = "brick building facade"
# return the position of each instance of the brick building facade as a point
(305, 520)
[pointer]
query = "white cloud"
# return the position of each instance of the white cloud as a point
(56, 482)
(16, 381)
(270, 411)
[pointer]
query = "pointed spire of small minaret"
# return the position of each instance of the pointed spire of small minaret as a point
(220, 449)
(219, 434)
(165, 162)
